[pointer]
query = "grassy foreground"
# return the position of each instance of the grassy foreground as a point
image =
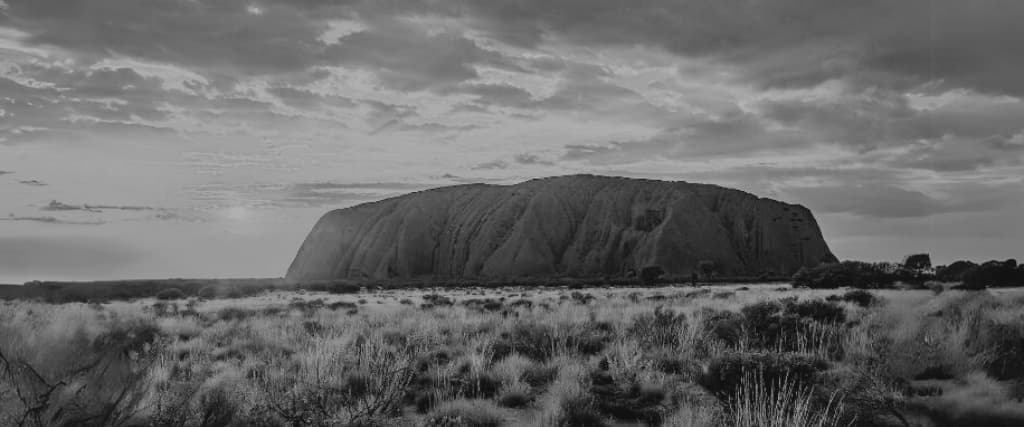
(721, 355)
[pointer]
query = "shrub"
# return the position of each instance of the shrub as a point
(539, 376)
(858, 297)
(817, 310)
(1005, 343)
(516, 395)
(629, 402)
(568, 402)
(853, 274)
(338, 305)
(207, 292)
(170, 294)
(534, 340)
(436, 300)
(660, 328)
(466, 413)
(725, 375)
(726, 326)
(487, 304)
(234, 313)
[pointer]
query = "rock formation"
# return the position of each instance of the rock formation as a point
(576, 226)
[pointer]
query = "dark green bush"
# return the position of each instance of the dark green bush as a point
(818, 310)
(531, 339)
(627, 402)
(725, 374)
(727, 326)
(853, 274)
(170, 294)
(659, 328)
(539, 376)
(514, 399)
(466, 413)
(859, 297)
(994, 274)
(1005, 343)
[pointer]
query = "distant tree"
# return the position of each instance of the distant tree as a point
(953, 272)
(994, 274)
(853, 274)
(918, 262)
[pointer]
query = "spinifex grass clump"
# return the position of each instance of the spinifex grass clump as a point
(682, 358)
(760, 401)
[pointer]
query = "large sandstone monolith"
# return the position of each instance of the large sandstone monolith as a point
(576, 226)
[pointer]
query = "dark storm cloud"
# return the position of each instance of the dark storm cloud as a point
(224, 34)
(794, 42)
(76, 101)
(227, 38)
(409, 57)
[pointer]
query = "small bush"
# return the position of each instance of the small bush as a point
(539, 376)
(858, 297)
(628, 402)
(170, 294)
(466, 413)
(515, 396)
(436, 300)
(207, 292)
(342, 305)
(725, 375)
(660, 328)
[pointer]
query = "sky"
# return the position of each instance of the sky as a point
(203, 138)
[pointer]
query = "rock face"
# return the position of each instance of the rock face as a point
(577, 226)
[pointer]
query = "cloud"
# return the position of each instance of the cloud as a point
(738, 133)
(407, 56)
(492, 165)
(49, 220)
(793, 43)
(329, 193)
(884, 200)
(224, 36)
(32, 182)
(532, 159)
(60, 206)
